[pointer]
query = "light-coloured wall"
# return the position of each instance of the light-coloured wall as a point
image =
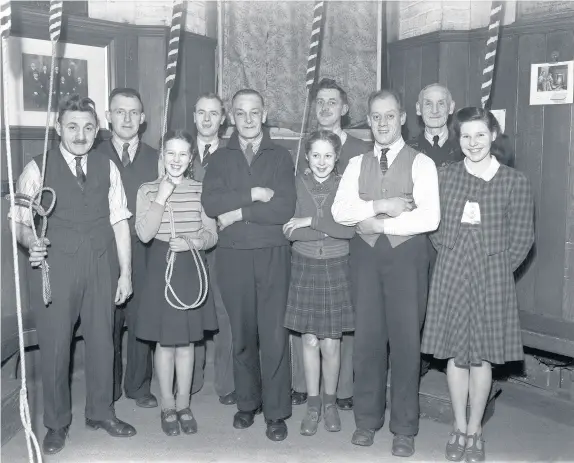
(410, 18)
(151, 13)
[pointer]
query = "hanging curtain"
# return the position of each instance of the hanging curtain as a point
(265, 47)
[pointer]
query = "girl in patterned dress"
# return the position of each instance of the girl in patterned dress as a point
(485, 233)
(175, 331)
(319, 302)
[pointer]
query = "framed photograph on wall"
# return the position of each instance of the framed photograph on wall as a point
(552, 83)
(80, 69)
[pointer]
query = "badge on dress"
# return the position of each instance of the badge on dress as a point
(471, 213)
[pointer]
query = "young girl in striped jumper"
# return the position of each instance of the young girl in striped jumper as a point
(485, 233)
(319, 302)
(175, 331)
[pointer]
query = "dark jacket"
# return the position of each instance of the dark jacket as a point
(227, 186)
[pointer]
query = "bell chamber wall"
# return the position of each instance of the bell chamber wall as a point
(542, 138)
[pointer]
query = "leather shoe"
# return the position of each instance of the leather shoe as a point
(363, 437)
(298, 398)
(170, 427)
(242, 419)
(403, 446)
(54, 440)
(188, 425)
(276, 430)
(228, 399)
(345, 404)
(113, 426)
(147, 401)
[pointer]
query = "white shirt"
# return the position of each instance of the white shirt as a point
(471, 212)
(31, 177)
(349, 209)
(342, 135)
(201, 147)
(442, 138)
(132, 149)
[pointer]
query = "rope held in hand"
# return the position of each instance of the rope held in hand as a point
(201, 271)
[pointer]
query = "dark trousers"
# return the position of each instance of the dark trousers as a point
(224, 383)
(345, 385)
(138, 364)
(83, 286)
(254, 285)
(389, 294)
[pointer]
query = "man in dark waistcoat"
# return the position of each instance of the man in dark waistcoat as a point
(331, 105)
(137, 164)
(391, 194)
(250, 187)
(209, 116)
(88, 237)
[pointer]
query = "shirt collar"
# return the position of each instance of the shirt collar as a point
(119, 145)
(213, 145)
(254, 143)
(442, 138)
(489, 173)
(394, 149)
(70, 158)
(341, 134)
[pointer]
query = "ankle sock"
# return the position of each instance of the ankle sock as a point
(329, 399)
(314, 401)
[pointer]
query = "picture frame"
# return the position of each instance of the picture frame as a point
(85, 70)
(552, 83)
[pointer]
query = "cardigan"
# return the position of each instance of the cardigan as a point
(325, 238)
(227, 186)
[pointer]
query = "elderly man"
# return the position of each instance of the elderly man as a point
(89, 234)
(209, 116)
(250, 187)
(391, 193)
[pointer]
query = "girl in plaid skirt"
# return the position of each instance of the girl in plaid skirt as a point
(319, 302)
(485, 233)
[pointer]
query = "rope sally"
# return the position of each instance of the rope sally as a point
(312, 66)
(496, 11)
(170, 76)
(34, 453)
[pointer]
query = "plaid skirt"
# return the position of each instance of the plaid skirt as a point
(319, 300)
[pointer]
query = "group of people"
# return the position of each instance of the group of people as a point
(314, 281)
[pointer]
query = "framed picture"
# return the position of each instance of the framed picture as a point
(80, 69)
(552, 83)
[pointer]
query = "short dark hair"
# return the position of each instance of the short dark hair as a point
(77, 103)
(324, 135)
(247, 91)
(473, 113)
(180, 134)
(210, 96)
(331, 85)
(385, 93)
(125, 91)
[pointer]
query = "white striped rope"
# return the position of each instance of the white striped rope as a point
(492, 42)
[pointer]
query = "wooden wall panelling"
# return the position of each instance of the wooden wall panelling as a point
(131, 61)
(554, 194)
(475, 76)
(413, 68)
(453, 71)
(568, 304)
(430, 63)
(397, 75)
(152, 56)
(529, 149)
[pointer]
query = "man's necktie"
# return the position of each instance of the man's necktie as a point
(384, 163)
(205, 155)
(125, 155)
(435, 140)
(80, 176)
(249, 154)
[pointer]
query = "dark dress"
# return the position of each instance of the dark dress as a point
(472, 312)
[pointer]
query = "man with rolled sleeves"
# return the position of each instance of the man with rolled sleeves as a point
(89, 236)
(331, 105)
(250, 187)
(209, 116)
(137, 164)
(391, 194)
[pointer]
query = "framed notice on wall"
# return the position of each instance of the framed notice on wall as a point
(552, 83)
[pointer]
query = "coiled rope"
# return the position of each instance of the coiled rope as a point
(171, 74)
